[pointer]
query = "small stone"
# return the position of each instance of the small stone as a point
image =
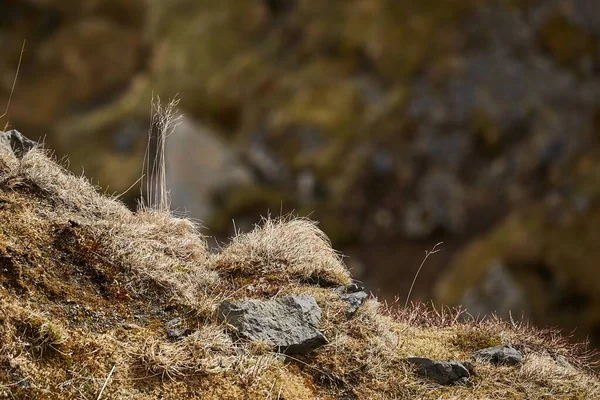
(175, 329)
(354, 287)
(499, 355)
(442, 372)
(289, 324)
(14, 141)
(174, 333)
(355, 300)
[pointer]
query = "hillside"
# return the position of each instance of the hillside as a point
(97, 301)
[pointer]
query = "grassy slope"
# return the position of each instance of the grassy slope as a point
(87, 285)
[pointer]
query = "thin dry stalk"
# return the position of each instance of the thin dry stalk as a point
(106, 382)
(163, 122)
(427, 254)
(12, 90)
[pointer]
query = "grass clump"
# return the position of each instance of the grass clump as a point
(291, 248)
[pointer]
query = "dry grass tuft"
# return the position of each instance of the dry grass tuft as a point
(203, 352)
(291, 248)
(32, 332)
(163, 122)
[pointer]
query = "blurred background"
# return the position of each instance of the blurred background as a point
(397, 124)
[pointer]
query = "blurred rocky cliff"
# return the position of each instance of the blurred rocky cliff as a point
(396, 123)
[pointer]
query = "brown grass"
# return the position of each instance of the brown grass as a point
(291, 248)
(87, 288)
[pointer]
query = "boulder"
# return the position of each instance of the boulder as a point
(289, 324)
(442, 372)
(499, 355)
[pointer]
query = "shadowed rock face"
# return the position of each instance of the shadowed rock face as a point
(288, 324)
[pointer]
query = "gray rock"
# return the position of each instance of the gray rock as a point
(353, 288)
(14, 141)
(354, 295)
(289, 324)
(442, 372)
(178, 333)
(499, 355)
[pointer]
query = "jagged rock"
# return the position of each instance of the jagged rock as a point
(355, 300)
(14, 141)
(289, 324)
(499, 355)
(354, 295)
(442, 372)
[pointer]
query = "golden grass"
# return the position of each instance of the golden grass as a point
(292, 248)
(87, 288)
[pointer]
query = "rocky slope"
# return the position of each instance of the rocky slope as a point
(399, 123)
(98, 301)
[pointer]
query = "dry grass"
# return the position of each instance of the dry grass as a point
(163, 122)
(87, 288)
(291, 248)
